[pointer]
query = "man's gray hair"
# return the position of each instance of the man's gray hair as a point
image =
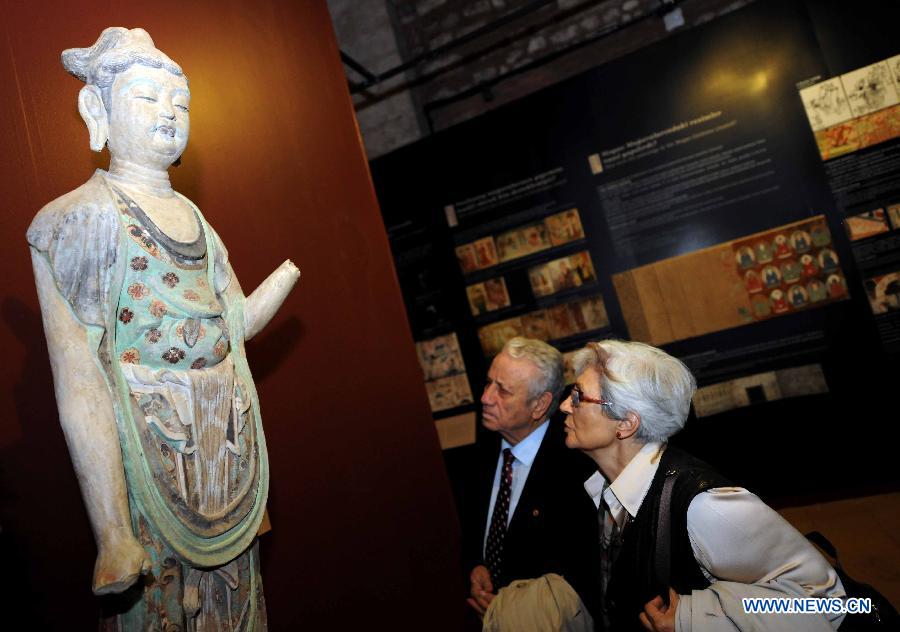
(115, 51)
(648, 381)
(548, 360)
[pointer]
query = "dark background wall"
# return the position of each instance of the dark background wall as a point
(364, 527)
(507, 49)
(776, 448)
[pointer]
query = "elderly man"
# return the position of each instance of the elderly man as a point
(526, 513)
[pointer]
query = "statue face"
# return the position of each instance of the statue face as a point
(149, 122)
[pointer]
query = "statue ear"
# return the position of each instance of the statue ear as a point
(92, 110)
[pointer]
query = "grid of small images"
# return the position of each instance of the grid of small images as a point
(790, 268)
(553, 323)
(858, 109)
(445, 372)
(555, 230)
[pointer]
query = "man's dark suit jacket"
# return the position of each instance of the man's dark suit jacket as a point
(554, 527)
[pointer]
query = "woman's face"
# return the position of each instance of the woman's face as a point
(148, 121)
(587, 427)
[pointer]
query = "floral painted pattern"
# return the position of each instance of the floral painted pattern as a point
(137, 291)
(130, 356)
(201, 332)
(153, 335)
(167, 322)
(222, 324)
(158, 309)
(220, 349)
(174, 355)
(171, 279)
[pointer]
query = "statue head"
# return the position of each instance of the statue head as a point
(135, 99)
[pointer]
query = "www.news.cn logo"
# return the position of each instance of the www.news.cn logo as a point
(806, 605)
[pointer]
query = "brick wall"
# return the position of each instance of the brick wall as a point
(386, 113)
(480, 67)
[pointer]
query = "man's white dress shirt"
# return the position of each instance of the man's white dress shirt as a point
(741, 545)
(524, 452)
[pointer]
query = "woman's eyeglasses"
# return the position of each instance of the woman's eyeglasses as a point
(578, 396)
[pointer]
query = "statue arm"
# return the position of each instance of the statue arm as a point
(265, 300)
(88, 421)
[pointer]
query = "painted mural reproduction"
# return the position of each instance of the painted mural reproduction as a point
(146, 330)
(883, 292)
(790, 269)
(856, 110)
(445, 372)
(440, 357)
(477, 255)
(865, 225)
(565, 273)
(448, 392)
(758, 388)
(522, 241)
(554, 323)
(564, 227)
(488, 296)
(784, 270)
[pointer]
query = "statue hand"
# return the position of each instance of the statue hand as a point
(261, 306)
(120, 562)
(291, 268)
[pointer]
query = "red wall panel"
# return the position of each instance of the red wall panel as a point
(364, 527)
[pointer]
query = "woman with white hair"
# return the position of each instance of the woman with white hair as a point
(679, 547)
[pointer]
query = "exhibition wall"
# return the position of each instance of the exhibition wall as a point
(363, 525)
(731, 194)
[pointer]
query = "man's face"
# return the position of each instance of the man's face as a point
(149, 122)
(505, 404)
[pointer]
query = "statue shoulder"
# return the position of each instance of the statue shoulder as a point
(86, 212)
(79, 235)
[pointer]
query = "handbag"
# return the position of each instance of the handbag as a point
(883, 615)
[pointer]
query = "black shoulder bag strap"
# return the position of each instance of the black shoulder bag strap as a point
(663, 558)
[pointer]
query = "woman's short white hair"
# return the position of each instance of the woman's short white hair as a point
(648, 381)
(547, 359)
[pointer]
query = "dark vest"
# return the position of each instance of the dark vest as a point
(633, 580)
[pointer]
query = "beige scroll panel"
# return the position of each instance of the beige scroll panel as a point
(682, 297)
(780, 271)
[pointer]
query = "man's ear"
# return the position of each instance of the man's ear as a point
(541, 406)
(629, 425)
(92, 110)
